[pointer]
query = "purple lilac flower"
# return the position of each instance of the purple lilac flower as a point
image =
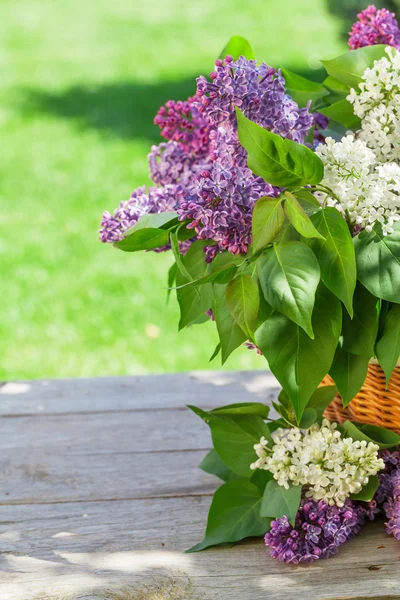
(319, 531)
(374, 26)
(155, 200)
(220, 202)
(388, 493)
(170, 163)
(182, 122)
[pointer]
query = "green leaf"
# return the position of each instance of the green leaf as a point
(310, 416)
(216, 352)
(243, 302)
(234, 515)
(279, 161)
(234, 437)
(342, 112)
(359, 333)
(144, 239)
(267, 221)
(155, 221)
(236, 47)
(349, 67)
(335, 255)
(193, 301)
(378, 262)
(367, 493)
(348, 371)
(299, 218)
(213, 465)
(230, 334)
(371, 433)
(223, 275)
(336, 86)
(289, 275)
(243, 408)
(278, 501)
(260, 478)
(301, 89)
(298, 362)
(179, 258)
(171, 278)
(322, 397)
(388, 347)
(308, 201)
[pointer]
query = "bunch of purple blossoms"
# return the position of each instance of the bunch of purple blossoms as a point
(388, 493)
(319, 531)
(374, 26)
(221, 201)
(203, 167)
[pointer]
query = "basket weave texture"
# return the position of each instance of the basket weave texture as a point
(374, 404)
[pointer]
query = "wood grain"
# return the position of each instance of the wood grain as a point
(100, 494)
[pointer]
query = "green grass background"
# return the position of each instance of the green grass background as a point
(80, 83)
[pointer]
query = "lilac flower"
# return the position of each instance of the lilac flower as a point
(156, 200)
(171, 163)
(259, 92)
(374, 26)
(319, 531)
(182, 122)
(220, 202)
(388, 493)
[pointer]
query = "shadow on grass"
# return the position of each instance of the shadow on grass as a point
(125, 109)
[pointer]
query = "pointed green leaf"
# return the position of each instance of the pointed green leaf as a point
(359, 333)
(243, 302)
(348, 371)
(371, 433)
(230, 334)
(303, 90)
(349, 67)
(378, 262)
(267, 221)
(388, 347)
(243, 408)
(299, 218)
(143, 239)
(308, 201)
(234, 437)
(213, 465)
(289, 275)
(335, 255)
(234, 515)
(279, 161)
(298, 362)
(279, 502)
(236, 47)
(342, 112)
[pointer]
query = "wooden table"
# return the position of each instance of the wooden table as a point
(100, 495)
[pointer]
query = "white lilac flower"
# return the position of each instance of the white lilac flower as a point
(367, 190)
(331, 467)
(377, 103)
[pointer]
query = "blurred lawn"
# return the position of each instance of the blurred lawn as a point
(81, 81)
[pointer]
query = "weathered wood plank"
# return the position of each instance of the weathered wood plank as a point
(46, 476)
(84, 549)
(206, 388)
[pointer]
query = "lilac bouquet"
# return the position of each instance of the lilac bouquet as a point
(279, 199)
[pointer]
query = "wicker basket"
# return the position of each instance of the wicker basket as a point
(374, 404)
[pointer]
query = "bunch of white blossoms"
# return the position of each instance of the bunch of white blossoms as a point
(369, 191)
(377, 103)
(330, 467)
(363, 170)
